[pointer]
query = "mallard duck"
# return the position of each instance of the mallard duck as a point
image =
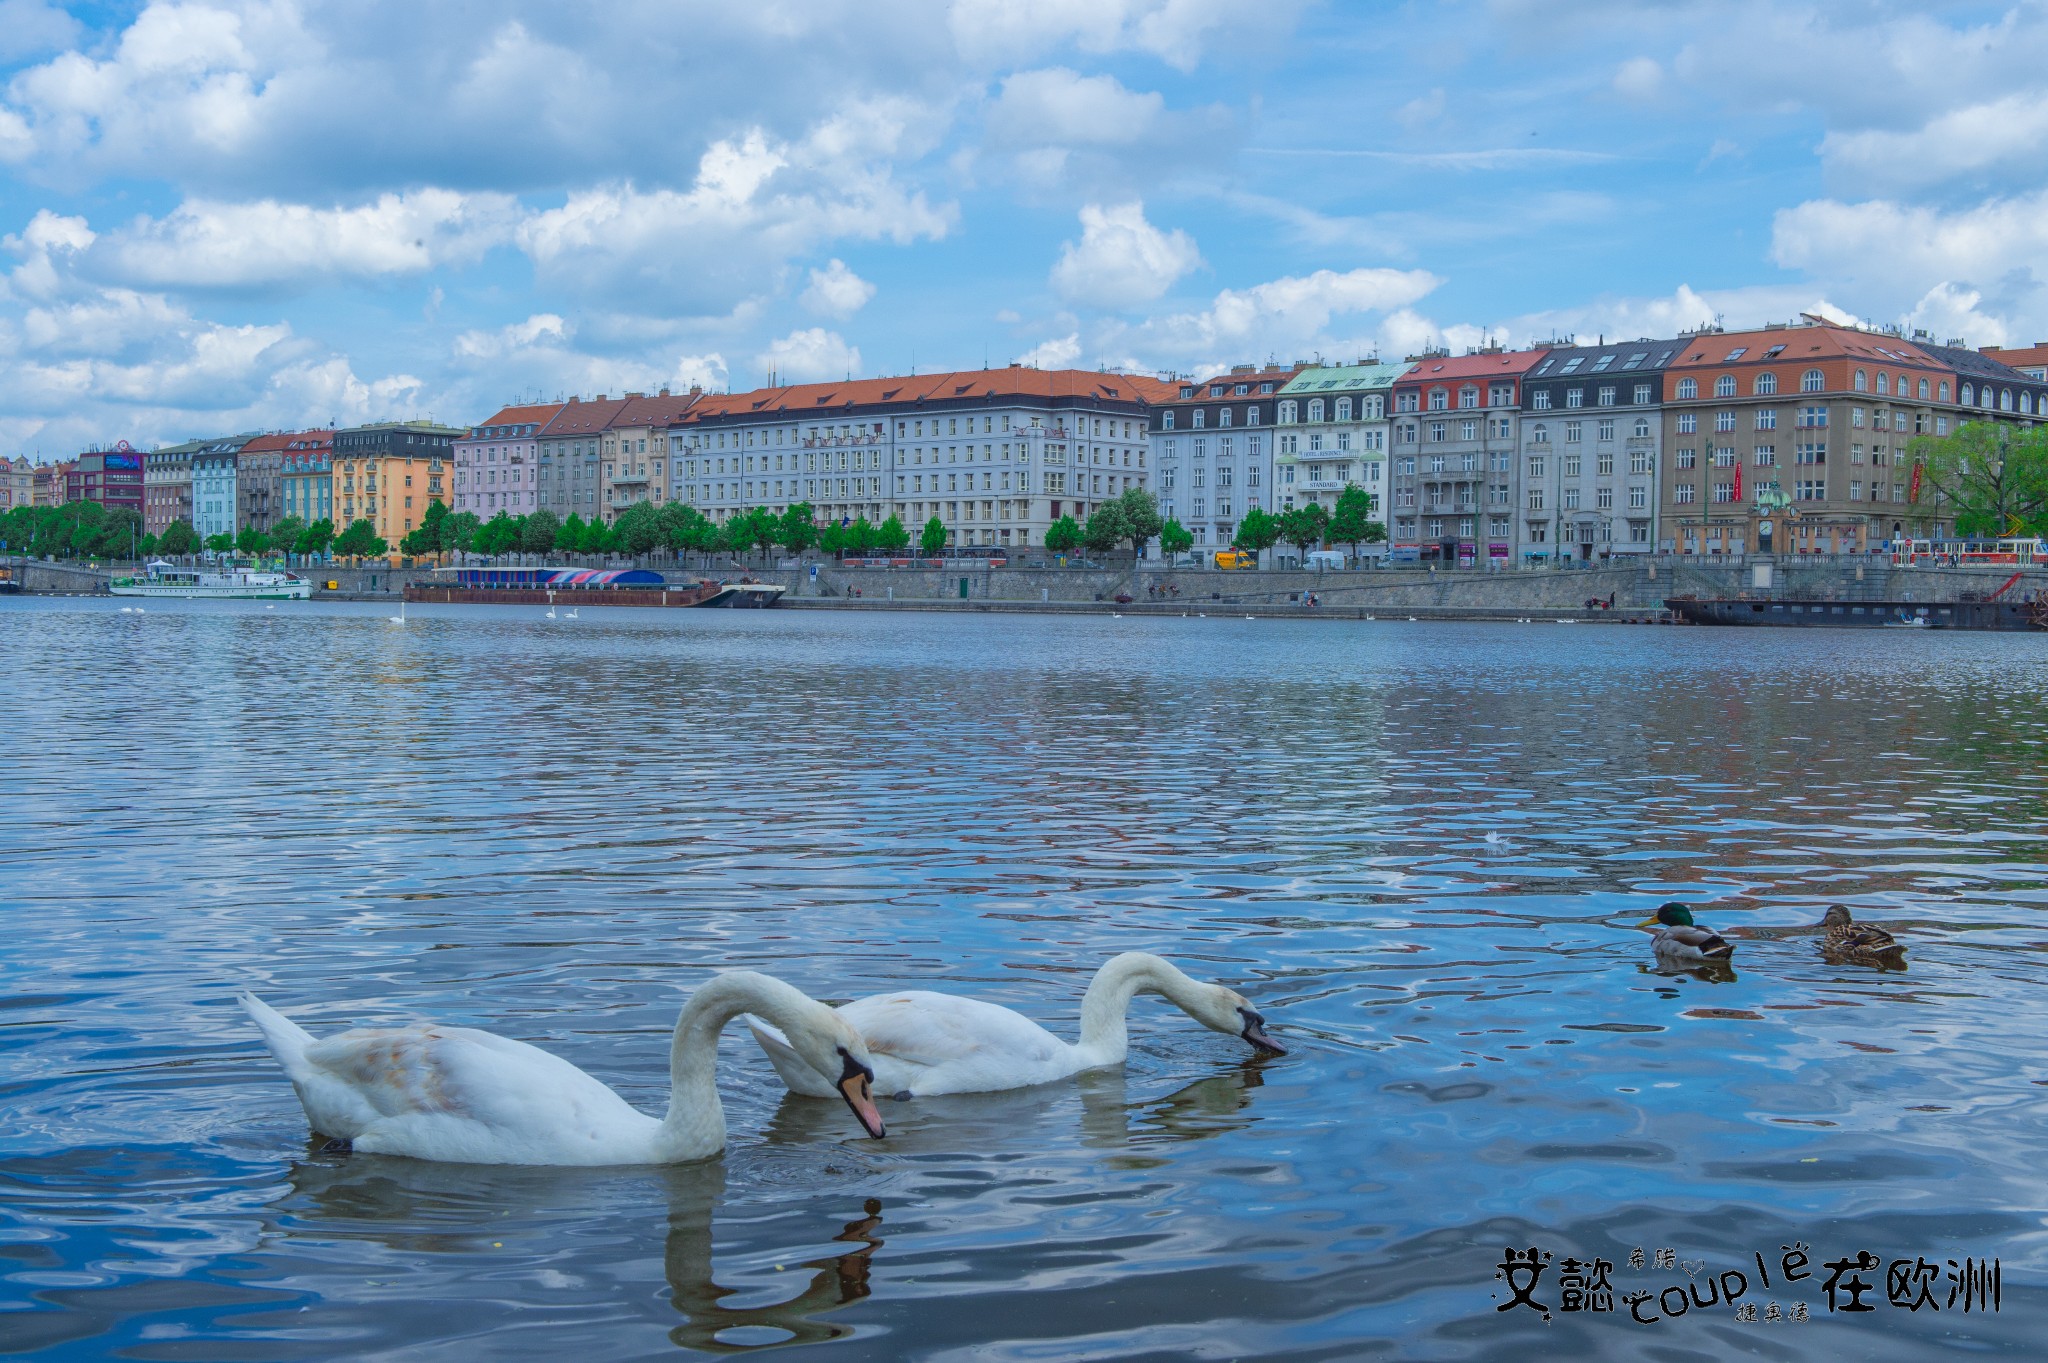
(1679, 941)
(1857, 943)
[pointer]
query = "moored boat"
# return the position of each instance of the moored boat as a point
(548, 586)
(1810, 614)
(230, 582)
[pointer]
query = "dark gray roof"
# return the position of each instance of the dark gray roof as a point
(1614, 357)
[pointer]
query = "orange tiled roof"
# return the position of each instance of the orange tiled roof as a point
(533, 414)
(2018, 357)
(283, 439)
(1012, 381)
(1825, 340)
(1447, 368)
(584, 418)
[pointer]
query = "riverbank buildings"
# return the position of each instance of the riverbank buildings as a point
(497, 463)
(997, 455)
(17, 482)
(306, 476)
(1214, 445)
(1456, 447)
(1587, 467)
(215, 476)
(389, 472)
(1334, 427)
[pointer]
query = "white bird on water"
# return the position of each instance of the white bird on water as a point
(399, 618)
(571, 614)
(551, 610)
(471, 1097)
(928, 1043)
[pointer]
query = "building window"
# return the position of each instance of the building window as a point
(1812, 381)
(1688, 388)
(1724, 387)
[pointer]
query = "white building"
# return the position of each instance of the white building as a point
(1214, 445)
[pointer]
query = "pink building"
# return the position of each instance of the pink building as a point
(495, 463)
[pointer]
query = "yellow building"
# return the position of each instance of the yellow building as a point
(389, 472)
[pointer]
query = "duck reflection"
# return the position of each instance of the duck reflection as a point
(1707, 972)
(418, 1208)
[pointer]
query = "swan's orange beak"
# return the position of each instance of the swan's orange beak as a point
(856, 1088)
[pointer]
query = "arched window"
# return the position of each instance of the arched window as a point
(2026, 401)
(1251, 415)
(1287, 413)
(1540, 433)
(1944, 390)
(1812, 381)
(1923, 390)
(1642, 428)
(1766, 384)
(1688, 388)
(1724, 387)
(1862, 384)
(1343, 409)
(1439, 399)
(2005, 399)
(1969, 394)
(1315, 409)
(1884, 383)
(1468, 396)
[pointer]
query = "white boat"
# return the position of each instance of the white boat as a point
(231, 582)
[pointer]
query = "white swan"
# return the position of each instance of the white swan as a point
(457, 1094)
(551, 612)
(399, 618)
(571, 614)
(927, 1043)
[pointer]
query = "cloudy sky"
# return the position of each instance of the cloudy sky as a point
(220, 216)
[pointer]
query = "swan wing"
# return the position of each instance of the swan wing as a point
(455, 1093)
(925, 1042)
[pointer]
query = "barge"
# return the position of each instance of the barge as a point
(575, 587)
(1811, 614)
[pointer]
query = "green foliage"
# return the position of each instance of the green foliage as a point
(118, 535)
(220, 543)
(1257, 532)
(687, 528)
(1352, 523)
(1175, 538)
(249, 540)
(178, 538)
(360, 540)
(315, 538)
(638, 528)
(458, 531)
(498, 535)
(736, 533)
(569, 539)
(767, 528)
(932, 539)
(537, 533)
(1063, 535)
(596, 538)
(1991, 478)
(797, 530)
(284, 536)
(863, 535)
(431, 522)
(1106, 528)
(1303, 527)
(1140, 511)
(892, 536)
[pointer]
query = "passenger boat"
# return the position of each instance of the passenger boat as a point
(230, 582)
(1970, 615)
(547, 586)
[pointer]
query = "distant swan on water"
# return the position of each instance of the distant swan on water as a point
(399, 618)
(928, 1043)
(460, 1095)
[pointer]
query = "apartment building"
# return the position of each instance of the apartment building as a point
(17, 482)
(997, 455)
(1456, 442)
(568, 454)
(389, 472)
(634, 450)
(1213, 443)
(497, 464)
(306, 479)
(1591, 432)
(215, 474)
(1334, 425)
(167, 485)
(111, 477)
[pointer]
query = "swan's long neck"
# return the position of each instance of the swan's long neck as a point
(695, 1125)
(1103, 1030)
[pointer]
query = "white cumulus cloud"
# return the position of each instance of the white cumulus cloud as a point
(837, 291)
(1121, 259)
(810, 356)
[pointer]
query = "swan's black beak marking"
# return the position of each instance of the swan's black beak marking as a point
(856, 1086)
(1255, 1032)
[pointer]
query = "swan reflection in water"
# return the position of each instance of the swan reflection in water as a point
(414, 1211)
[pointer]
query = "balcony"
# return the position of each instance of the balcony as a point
(629, 480)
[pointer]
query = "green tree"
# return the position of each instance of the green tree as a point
(569, 539)
(892, 536)
(119, 534)
(458, 531)
(1989, 477)
(315, 538)
(597, 537)
(360, 540)
(1352, 523)
(538, 532)
(498, 535)
(932, 540)
(1105, 529)
(1063, 535)
(284, 536)
(863, 535)
(638, 528)
(1141, 518)
(81, 522)
(766, 527)
(220, 543)
(798, 529)
(736, 534)
(1303, 527)
(178, 538)
(249, 540)
(146, 546)
(1174, 539)
(1257, 532)
(434, 539)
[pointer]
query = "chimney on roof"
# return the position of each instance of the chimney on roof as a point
(599, 398)
(696, 389)
(664, 392)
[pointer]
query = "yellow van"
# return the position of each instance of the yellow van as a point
(1232, 559)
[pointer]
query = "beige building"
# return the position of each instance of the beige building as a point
(17, 483)
(633, 451)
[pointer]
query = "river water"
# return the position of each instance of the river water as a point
(1418, 848)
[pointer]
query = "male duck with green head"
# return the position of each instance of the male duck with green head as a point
(1680, 941)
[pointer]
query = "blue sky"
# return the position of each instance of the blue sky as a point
(218, 215)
